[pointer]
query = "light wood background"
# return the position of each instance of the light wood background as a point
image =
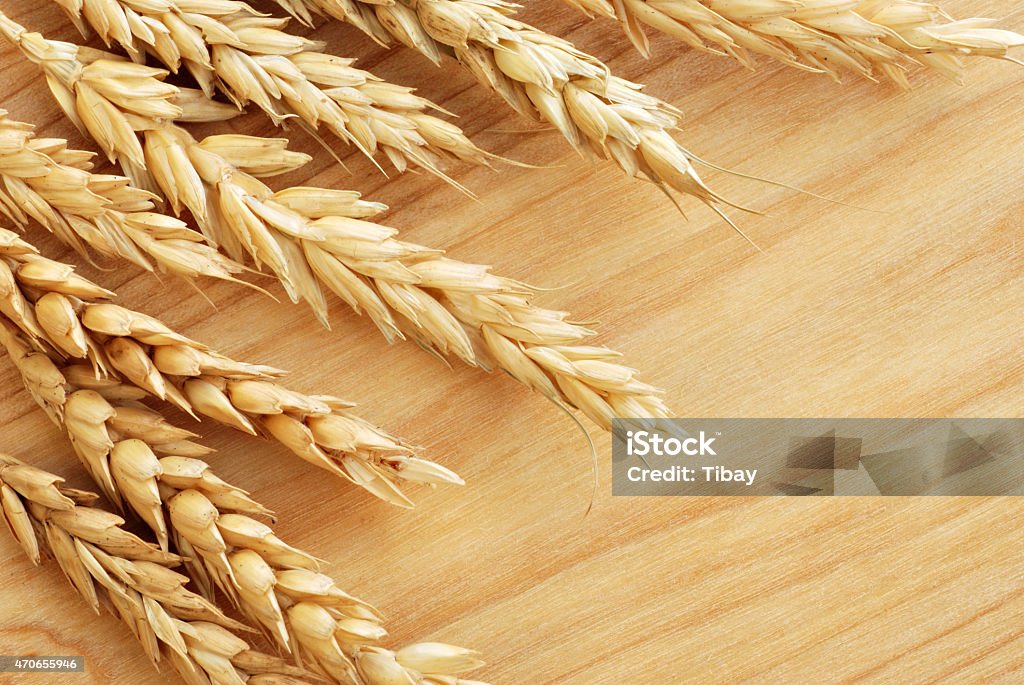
(913, 309)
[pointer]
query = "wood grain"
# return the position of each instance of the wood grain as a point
(907, 307)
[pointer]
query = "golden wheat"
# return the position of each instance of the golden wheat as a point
(541, 76)
(331, 634)
(42, 179)
(870, 37)
(132, 578)
(313, 236)
(227, 45)
(54, 308)
(279, 588)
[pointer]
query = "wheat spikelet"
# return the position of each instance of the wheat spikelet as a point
(132, 578)
(42, 180)
(870, 37)
(54, 309)
(541, 76)
(319, 237)
(228, 45)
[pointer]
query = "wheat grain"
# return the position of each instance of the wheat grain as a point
(133, 579)
(42, 180)
(227, 45)
(540, 76)
(316, 236)
(870, 37)
(53, 308)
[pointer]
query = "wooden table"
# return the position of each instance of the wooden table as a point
(907, 304)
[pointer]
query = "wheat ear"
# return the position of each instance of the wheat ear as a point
(319, 236)
(44, 180)
(279, 588)
(109, 566)
(229, 46)
(870, 37)
(541, 76)
(56, 309)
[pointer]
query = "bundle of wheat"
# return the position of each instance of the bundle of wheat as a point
(313, 236)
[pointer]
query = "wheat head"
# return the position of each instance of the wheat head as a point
(541, 76)
(42, 179)
(134, 580)
(277, 587)
(212, 523)
(873, 38)
(227, 45)
(54, 309)
(312, 237)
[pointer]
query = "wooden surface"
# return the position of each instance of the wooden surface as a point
(912, 309)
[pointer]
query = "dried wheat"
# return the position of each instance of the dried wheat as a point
(312, 236)
(41, 179)
(279, 588)
(53, 308)
(132, 578)
(228, 45)
(870, 37)
(541, 76)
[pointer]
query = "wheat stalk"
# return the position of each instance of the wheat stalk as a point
(55, 309)
(109, 566)
(227, 45)
(44, 180)
(869, 37)
(319, 236)
(541, 76)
